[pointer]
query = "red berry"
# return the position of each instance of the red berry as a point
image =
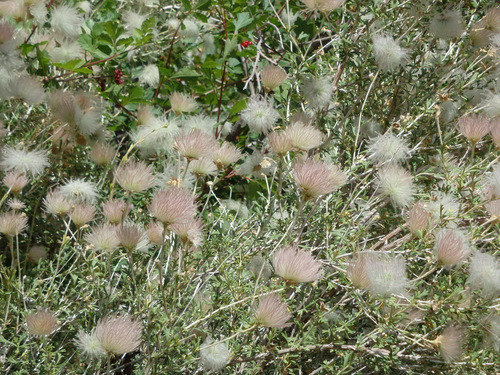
(246, 43)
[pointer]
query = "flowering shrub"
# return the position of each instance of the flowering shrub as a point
(249, 187)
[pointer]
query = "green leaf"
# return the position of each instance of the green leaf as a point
(241, 21)
(186, 4)
(238, 107)
(43, 58)
(231, 44)
(74, 66)
(186, 73)
(203, 5)
(85, 41)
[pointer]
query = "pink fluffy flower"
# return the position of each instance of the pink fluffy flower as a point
(195, 144)
(474, 127)
(296, 265)
(272, 312)
(119, 334)
(450, 343)
(317, 178)
(451, 246)
(173, 206)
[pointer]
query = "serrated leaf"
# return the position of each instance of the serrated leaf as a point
(74, 66)
(186, 73)
(230, 46)
(243, 19)
(85, 41)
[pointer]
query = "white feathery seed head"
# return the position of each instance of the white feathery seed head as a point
(79, 190)
(493, 338)
(288, 17)
(388, 148)
(491, 183)
(447, 24)
(181, 103)
(119, 334)
(386, 275)
(226, 154)
(203, 167)
(317, 91)
(389, 55)
(316, 177)
(214, 356)
(323, 6)
(473, 127)
(204, 123)
(12, 223)
(66, 21)
(491, 105)
(41, 322)
(135, 176)
(395, 183)
(450, 343)
(89, 344)
(39, 12)
(27, 88)
(150, 75)
(189, 29)
(156, 136)
(20, 160)
(103, 237)
(272, 312)
(133, 20)
(484, 274)
(81, 213)
(260, 115)
(66, 51)
(272, 76)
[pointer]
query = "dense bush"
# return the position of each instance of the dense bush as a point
(249, 187)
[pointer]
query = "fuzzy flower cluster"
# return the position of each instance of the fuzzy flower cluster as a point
(379, 273)
(78, 113)
(323, 6)
(491, 183)
(317, 178)
(474, 127)
(396, 184)
(447, 24)
(272, 76)
(112, 335)
(214, 355)
(317, 91)
(296, 265)
(173, 206)
(181, 103)
(21, 160)
(389, 55)
(260, 115)
(483, 31)
(135, 176)
(41, 322)
(484, 274)
(272, 312)
(450, 343)
(451, 246)
(154, 135)
(388, 148)
(419, 219)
